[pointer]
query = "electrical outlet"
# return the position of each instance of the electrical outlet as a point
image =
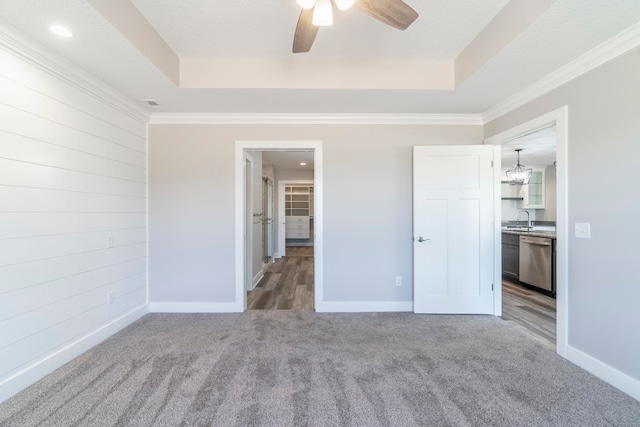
(398, 280)
(110, 241)
(111, 297)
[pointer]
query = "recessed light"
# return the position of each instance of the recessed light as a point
(61, 31)
(303, 164)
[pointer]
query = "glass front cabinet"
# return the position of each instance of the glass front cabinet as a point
(533, 193)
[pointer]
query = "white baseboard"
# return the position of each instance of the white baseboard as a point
(364, 306)
(257, 279)
(618, 379)
(49, 363)
(195, 307)
(261, 273)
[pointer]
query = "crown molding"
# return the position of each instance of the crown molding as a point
(20, 45)
(607, 51)
(315, 119)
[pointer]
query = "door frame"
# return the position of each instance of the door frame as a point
(282, 244)
(240, 211)
(248, 221)
(559, 117)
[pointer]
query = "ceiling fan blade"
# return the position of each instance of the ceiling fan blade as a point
(396, 13)
(305, 32)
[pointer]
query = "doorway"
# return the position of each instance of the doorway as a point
(243, 230)
(529, 232)
(559, 118)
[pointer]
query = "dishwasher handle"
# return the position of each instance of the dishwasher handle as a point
(534, 241)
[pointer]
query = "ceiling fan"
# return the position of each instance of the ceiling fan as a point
(316, 13)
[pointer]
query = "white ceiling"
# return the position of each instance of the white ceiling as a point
(196, 28)
(283, 160)
(249, 30)
(538, 149)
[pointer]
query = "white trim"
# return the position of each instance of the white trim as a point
(315, 119)
(364, 306)
(247, 212)
(262, 272)
(146, 206)
(257, 279)
(240, 148)
(611, 49)
(17, 43)
(497, 234)
(560, 117)
(282, 227)
(616, 378)
(49, 363)
(195, 307)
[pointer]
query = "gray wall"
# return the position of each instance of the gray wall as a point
(603, 153)
(550, 210)
(367, 207)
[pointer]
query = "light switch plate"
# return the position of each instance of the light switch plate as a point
(583, 230)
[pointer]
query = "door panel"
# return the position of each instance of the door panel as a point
(453, 213)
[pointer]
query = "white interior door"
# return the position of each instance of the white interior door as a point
(453, 208)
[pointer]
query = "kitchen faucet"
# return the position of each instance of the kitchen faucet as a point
(528, 218)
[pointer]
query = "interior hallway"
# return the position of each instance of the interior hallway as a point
(287, 285)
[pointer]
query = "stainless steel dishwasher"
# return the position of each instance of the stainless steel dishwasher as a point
(536, 262)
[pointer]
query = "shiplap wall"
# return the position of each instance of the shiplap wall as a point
(73, 172)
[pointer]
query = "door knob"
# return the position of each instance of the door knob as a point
(420, 239)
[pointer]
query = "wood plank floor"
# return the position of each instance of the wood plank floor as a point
(287, 285)
(531, 309)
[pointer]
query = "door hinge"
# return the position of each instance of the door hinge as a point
(491, 164)
(492, 286)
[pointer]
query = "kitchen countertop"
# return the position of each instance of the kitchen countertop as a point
(533, 233)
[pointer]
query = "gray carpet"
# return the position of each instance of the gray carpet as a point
(303, 368)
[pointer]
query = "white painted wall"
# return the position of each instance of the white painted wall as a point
(72, 173)
(294, 174)
(603, 147)
(367, 199)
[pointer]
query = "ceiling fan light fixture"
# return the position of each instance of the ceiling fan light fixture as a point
(518, 174)
(306, 4)
(344, 4)
(323, 13)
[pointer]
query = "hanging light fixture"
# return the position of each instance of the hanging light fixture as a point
(518, 174)
(322, 13)
(344, 4)
(306, 4)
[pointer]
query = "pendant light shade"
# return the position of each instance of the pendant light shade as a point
(306, 4)
(344, 4)
(518, 174)
(322, 13)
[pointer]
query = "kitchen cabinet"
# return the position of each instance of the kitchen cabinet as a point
(510, 256)
(533, 193)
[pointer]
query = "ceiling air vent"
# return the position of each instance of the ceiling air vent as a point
(151, 102)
